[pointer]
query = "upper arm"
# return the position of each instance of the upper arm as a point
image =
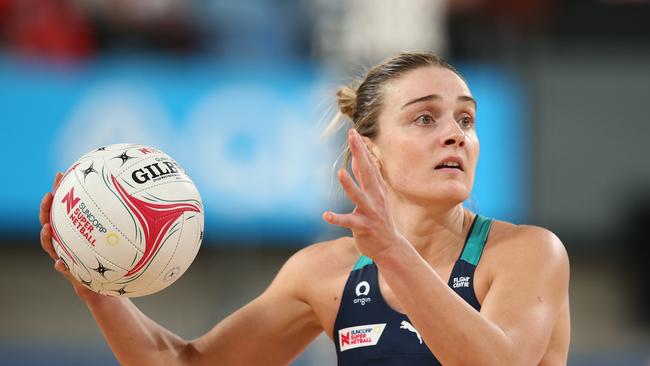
(270, 330)
(528, 290)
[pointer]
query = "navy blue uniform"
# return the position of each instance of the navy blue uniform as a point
(367, 331)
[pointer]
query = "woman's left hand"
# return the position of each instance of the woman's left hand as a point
(371, 222)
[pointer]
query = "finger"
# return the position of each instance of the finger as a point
(46, 241)
(46, 205)
(381, 183)
(350, 221)
(356, 195)
(373, 162)
(366, 168)
(354, 151)
(60, 266)
(357, 172)
(82, 290)
(57, 180)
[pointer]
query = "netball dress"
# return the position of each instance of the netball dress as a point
(367, 331)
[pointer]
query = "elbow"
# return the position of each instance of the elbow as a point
(504, 354)
(186, 354)
(195, 353)
(492, 356)
(511, 357)
(499, 358)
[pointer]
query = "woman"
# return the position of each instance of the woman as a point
(422, 280)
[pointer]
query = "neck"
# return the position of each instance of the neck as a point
(436, 231)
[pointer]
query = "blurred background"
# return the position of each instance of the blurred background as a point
(239, 93)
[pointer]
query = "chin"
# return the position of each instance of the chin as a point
(451, 193)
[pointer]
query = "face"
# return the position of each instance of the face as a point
(427, 144)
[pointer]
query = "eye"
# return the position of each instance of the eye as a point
(424, 119)
(466, 122)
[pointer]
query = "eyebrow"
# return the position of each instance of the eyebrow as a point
(462, 98)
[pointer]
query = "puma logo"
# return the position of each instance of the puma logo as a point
(408, 326)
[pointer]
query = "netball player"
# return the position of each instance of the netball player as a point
(422, 280)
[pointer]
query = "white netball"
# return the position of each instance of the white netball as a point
(127, 220)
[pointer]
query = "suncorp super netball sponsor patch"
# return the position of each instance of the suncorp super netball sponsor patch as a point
(360, 336)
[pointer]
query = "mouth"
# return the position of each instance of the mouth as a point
(450, 163)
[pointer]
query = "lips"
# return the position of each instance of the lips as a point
(452, 162)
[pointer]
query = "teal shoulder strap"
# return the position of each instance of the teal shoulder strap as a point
(473, 248)
(476, 240)
(362, 262)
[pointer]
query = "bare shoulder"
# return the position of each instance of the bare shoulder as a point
(525, 243)
(310, 268)
(325, 256)
(529, 253)
(317, 275)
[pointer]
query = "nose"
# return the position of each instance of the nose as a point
(453, 135)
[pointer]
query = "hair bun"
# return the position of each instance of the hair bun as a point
(346, 97)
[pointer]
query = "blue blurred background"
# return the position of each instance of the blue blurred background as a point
(240, 93)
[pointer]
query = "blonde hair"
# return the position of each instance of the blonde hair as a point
(361, 101)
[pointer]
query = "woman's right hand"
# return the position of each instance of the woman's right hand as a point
(84, 293)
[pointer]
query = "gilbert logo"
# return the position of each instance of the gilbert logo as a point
(155, 171)
(360, 336)
(362, 290)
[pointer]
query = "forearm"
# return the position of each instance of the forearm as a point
(134, 338)
(450, 334)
